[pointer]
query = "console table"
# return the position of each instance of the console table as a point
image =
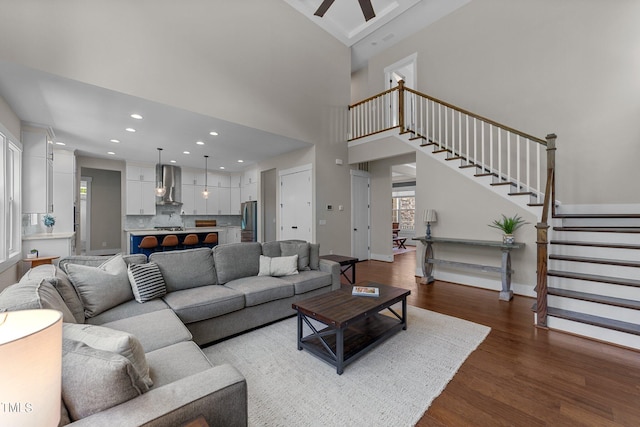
(506, 294)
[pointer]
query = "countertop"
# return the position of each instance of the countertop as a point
(154, 232)
(47, 236)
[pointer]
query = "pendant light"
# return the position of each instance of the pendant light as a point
(160, 189)
(205, 192)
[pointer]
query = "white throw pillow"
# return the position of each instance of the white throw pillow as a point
(278, 266)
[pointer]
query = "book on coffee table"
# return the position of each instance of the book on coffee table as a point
(367, 291)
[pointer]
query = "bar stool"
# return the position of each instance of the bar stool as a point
(169, 242)
(210, 240)
(190, 241)
(148, 245)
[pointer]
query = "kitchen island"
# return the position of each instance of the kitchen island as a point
(135, 236)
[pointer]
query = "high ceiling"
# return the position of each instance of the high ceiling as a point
(87, 118)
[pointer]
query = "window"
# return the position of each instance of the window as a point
(10, 200)
(404, 209)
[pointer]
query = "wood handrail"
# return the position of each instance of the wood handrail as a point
(476, 116)
(371, 98)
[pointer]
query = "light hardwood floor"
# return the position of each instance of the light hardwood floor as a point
(520, 375)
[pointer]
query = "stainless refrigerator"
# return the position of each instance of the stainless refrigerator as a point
(249, 231)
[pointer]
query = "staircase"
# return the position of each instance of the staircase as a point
(588, 262)
(594, 276)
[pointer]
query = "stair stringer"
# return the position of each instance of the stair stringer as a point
(522, 201)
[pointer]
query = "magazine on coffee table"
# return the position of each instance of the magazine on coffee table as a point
(366, 291)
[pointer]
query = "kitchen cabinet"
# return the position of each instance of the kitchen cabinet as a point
(233, 234)
(141, 197)
(37, 173)
(249, 189)
(192, 201)
(235, 180)
(64, 190)
(194, 177)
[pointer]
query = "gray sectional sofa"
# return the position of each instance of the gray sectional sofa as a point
(133, 327)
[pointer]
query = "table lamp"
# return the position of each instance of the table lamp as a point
(30, 367)
(429, 217)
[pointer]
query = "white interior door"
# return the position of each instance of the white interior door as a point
(296, 212)
(360, 215)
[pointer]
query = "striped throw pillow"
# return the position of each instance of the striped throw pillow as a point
(147, 282)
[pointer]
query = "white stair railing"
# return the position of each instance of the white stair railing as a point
(510, 156)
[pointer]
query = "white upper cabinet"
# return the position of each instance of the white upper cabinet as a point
(37, 173)
(141, 172)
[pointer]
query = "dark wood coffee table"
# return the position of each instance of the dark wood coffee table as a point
(354, 324)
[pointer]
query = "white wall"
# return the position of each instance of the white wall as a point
(259, 63)
(569, 67)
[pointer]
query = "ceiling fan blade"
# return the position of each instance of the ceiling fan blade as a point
(323, 8)
(367, 9)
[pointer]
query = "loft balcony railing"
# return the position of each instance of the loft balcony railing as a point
(510, 156)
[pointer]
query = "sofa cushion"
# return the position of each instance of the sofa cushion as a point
(307, 281)
(297, 248)
(146, 281)
(38, 273)
(260, 289)
(97, 260)
(34, 295)
(103, 287)
(177, 361)
(237, 260)
(186, 269)
(154, 330)
(128, 309)
(111, 340)
(94, 380)
(69, 295)
(271, 249)
(314, 256)
(205, 302)
(278, 266)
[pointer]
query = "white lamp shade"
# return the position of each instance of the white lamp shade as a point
(30, 367)
(430, 216)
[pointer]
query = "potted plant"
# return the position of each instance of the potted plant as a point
(33, 253)
(508, 225)
(49, 221)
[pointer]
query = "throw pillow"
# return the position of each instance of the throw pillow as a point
(278, 266)
(147, 282)
(113, 341)
(94, 380)
(103, 287)
(297, 248)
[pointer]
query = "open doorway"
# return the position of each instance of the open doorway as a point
(85, 214)
(406, 69)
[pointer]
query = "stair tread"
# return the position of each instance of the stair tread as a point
(523, 193)
(495, 184)
(454, 158)
(600, 229)
(485, 174)
(602, 299)
(443, 150)
(594, 278)
(595, 244)
(617, 325)
(471, 165)
(598, 216)
(592, 260)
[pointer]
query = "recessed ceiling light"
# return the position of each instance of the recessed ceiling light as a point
(117, 141)
(111, 152)
(221, 167)
(199, 142)
(213, 133)
(60, 143)
(186, 152)
(240, 161)
(136, 116)
(130, 129)
(172, 161)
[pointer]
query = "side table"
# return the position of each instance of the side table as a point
(40, 260)
(349, 263)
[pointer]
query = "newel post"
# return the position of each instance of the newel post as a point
(401, 105)
(542, 240)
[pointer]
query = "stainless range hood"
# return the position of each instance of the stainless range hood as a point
(171, 178)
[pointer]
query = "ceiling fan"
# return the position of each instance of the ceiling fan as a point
(365, 5)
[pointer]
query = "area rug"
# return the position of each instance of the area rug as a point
(393, 384)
